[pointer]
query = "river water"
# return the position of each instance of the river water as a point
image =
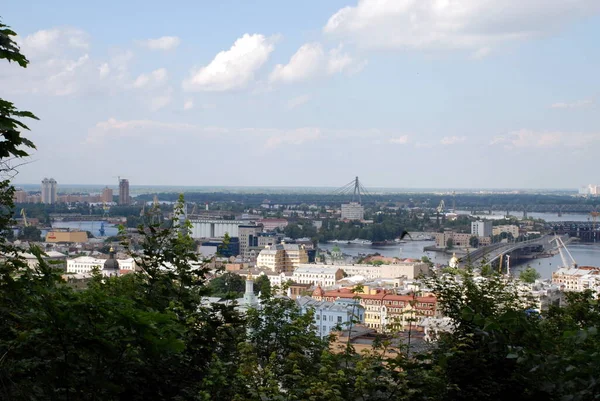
(584, 255)
(91, 226)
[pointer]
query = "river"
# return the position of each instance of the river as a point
(91, 226)
(584, 255)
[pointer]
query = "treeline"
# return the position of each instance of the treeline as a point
(150, 335)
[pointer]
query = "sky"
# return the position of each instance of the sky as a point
(402, 93)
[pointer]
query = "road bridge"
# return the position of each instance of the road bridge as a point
(517, 250)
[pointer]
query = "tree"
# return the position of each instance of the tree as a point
(474, 241)
(450, 243)
(529, 275)
(30, 233)
(227, 285)
(262, 285)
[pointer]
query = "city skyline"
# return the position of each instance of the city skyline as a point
(439, 94)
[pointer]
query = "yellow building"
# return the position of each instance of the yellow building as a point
(66, 236)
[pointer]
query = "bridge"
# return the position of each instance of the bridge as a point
(586, 231)
(517, 250)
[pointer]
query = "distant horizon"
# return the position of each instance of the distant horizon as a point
(271, 188)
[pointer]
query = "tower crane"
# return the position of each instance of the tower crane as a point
(24, 214)
(594, 215)
(440, 209)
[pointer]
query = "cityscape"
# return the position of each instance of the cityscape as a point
(358, 200)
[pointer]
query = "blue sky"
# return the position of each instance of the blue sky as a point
(403, 93)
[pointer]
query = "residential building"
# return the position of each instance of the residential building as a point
(481, 228)
(511, 229)
(85, 264)
(323, 275)
(20, 196)
(331, 316)
(124, 198)
(459, 240)
(282, 257)
(49, 191)
(249, 237)
(353, 211)
(387, 310)
(408, 268)
(57, 259)
(107, 195)
(577, 278)
(276, 279)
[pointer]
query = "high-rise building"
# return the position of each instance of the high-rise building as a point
(49, 191)
(124, 192)
(107, 195)
(481, 228)
(353, 211)
(248, 235)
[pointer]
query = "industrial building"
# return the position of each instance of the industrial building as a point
(353, 211)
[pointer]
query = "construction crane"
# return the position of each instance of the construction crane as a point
(24, 214)
(594, 215)
(440, 210)
(561, 246)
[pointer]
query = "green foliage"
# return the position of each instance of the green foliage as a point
(474, 241)
(30, 233)
(529, 275)
(262, 285)
(449, 243)
(227, 285)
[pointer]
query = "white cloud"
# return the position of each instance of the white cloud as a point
(104, 70)
(53, 41)
(340, 61)
(188, 105)
(234, 68)
(401, 140)
(311, 61)
(161, 100)
(452, 140)
(304, 64)
(61, 66)
(293, 137)
(162, 43)
(481, 53)
(152, 79)
(580, 104)
(297, 101)
(545, 139)
(451, 24)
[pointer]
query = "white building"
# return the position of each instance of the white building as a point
(323, 275)
(409, 269)
(49, 191)
(481, 228)
(329, 316)
(353, 211)
(85, 264)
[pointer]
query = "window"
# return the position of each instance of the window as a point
(318, 317)
(339, 319)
